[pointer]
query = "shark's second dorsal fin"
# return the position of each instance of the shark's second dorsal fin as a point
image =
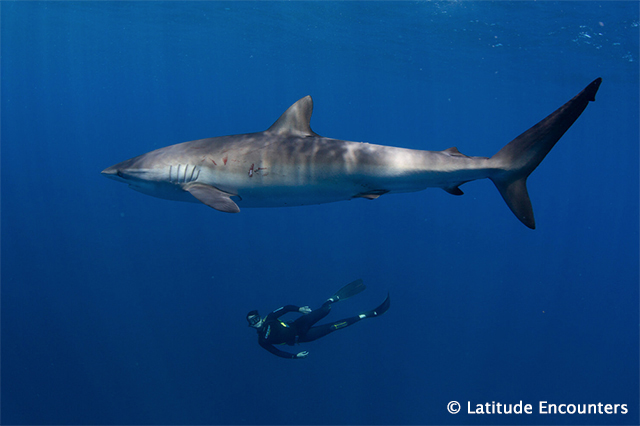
(295, 120)
(453, 152)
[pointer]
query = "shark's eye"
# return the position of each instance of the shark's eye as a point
(120, 174)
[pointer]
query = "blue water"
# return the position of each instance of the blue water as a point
(120, 308)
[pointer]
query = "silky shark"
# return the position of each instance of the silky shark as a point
(290, 165)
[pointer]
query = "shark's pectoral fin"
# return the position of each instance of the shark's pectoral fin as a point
(213, 197)
(371, 195)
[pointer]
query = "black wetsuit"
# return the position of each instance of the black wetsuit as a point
(276, 332)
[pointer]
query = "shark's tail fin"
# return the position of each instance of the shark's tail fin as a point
(516, 160)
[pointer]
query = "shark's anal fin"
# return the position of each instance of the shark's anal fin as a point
(371, 195)
(213, 197)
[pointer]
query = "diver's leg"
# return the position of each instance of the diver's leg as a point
(304, 323)
(322, 330)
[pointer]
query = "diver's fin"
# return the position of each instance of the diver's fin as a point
(348, 290)
(384, 307)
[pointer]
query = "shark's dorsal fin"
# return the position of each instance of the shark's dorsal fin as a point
(295, 120)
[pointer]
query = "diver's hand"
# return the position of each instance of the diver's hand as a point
(302, 354)
(304, 310)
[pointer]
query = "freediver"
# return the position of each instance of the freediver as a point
(273, 331)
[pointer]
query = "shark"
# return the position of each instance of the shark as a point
(290, 165)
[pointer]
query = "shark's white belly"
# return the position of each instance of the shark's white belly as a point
(286, 186)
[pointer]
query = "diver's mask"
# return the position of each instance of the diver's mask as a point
(253, 318)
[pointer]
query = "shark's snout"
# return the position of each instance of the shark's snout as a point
(114, 173)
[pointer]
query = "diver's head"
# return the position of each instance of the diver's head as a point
(254, 319)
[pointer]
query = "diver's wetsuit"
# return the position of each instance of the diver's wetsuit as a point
(276, 332)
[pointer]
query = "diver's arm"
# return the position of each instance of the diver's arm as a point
(278, 352)
(284, 310)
